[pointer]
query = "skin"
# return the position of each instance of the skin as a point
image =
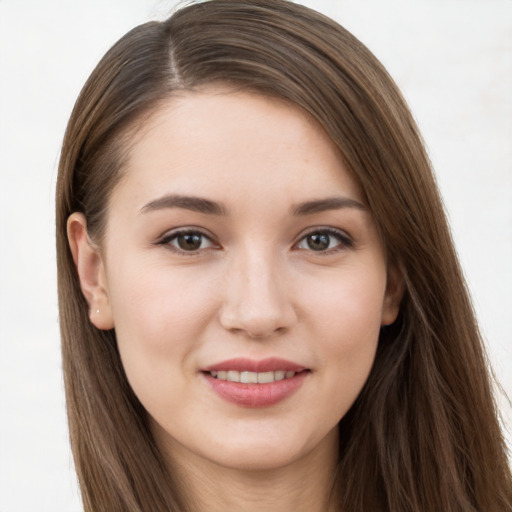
(254, 288)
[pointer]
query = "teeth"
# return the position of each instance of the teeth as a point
(252, 377)
(264, 378)
(233, 376)
(279, 375)
(248, 378)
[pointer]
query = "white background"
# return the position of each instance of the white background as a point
(453, 61)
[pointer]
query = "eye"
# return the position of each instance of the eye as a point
(186, 241)
(323, 240)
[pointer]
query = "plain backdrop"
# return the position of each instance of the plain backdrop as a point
(451, 58)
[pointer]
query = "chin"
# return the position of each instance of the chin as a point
(267, 447)
(258, 456)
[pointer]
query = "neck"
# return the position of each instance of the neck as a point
(304, 485)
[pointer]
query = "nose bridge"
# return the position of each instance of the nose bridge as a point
(257, 300)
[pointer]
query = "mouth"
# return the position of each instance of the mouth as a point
(251, 383)
(251, 371)
(246, 377)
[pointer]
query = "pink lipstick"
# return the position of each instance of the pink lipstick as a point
(252, 383)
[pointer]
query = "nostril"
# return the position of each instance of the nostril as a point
(256, 314)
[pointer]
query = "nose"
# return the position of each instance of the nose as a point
(257, 299)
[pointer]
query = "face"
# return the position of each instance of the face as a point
(238, 248)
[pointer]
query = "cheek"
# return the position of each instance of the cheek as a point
(349, 306)
(159, 314)
(348, 323)
(156, 304)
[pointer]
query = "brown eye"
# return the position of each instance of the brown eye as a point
(318, 241)
(324, 240)
(188, 241)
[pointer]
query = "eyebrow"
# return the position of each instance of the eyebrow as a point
(330, 203)
(206, 206)
(196, 204)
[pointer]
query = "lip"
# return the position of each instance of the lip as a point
(256, 395)
(270, 364)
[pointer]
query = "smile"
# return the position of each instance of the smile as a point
(247, 377)
(255, 383)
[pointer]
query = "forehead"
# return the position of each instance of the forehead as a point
(233, 144)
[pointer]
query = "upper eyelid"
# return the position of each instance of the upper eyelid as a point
(345, 240)
(166, 239)
(328, 229)
(170, 234)
(187, 229)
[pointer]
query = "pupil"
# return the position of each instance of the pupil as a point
(189, 242)
(318, 241)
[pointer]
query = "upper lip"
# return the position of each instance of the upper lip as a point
(241, 364)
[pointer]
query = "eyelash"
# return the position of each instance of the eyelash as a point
(167, 239)
(344, 241)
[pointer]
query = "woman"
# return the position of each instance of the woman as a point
(260, 302)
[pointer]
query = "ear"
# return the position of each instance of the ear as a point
(91, 272)
(393, 295)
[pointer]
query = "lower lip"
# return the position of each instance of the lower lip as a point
(256, 395)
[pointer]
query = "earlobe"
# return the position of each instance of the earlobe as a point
(393, 296)
(91, 272)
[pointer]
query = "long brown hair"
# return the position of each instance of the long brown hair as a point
(423, 435)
